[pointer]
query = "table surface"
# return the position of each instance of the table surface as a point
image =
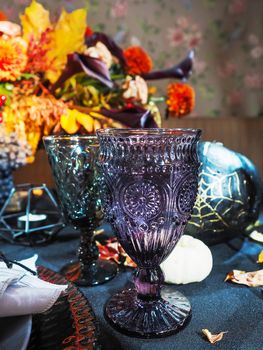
(216, 305)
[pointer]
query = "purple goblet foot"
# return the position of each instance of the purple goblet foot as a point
(148, 311)
(149, 186)
(148, 319)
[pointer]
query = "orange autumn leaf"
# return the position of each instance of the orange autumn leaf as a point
(213, 338)
(107, 252)
(112, 250)
(260, 257)
(250, 279)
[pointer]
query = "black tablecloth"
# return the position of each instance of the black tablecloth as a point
(216, 305)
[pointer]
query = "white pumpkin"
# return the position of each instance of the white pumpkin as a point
(190, 261)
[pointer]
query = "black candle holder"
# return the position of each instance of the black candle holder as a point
(28, 222)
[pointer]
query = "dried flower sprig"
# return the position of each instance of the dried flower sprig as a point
(250, 279)
(213, 338)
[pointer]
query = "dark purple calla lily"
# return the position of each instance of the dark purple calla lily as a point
(180, 71)
(78, 63)
(134, 117)
(115, 50)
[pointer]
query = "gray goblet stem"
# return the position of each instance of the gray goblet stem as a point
(88, 251)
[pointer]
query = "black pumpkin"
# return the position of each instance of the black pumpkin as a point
(230, 194)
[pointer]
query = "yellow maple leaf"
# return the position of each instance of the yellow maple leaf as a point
(68, 122)
(68, 37)
(35, 20)
(85, 120)
(73, 119)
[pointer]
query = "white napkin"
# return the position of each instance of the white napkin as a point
(21, 293)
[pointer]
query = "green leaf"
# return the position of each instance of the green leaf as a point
(27, 76)
(99, 27)
(8, 86)
(6, 90)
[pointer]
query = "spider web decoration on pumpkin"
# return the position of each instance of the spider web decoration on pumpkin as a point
(218, 194)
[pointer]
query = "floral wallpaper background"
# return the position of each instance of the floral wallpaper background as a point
(227, 36)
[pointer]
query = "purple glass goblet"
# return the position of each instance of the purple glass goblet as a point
(149, 186)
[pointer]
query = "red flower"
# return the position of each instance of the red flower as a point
(180, 99)
(88, 32)
(138, 61)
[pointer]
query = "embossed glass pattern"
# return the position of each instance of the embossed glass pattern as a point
(73, 162)
(150, 180)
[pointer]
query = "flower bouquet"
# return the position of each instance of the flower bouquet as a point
(61, 77)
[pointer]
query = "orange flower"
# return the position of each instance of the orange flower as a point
(13, 58)
(2, 16)
(138, 61)
(181, 99)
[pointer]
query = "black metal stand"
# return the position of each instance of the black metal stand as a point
(30, 225)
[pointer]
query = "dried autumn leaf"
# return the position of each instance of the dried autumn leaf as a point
(68, 37)
(260, 257)
(107, 252)
(250, 279)
(213, 338)
(35, 20)
(112, 250)
(257, 236)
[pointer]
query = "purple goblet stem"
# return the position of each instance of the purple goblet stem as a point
(148, 283)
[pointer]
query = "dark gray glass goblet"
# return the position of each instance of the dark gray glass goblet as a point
(73, 162)
(150, 180)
